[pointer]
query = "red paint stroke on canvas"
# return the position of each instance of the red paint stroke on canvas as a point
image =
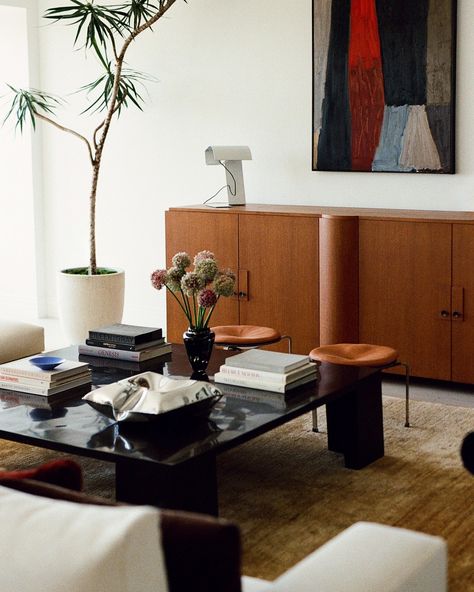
(366, 94)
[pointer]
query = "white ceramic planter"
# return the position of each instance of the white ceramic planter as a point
(89, 301)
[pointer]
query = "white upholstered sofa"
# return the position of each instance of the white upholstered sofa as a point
(19, 339)
(73, 543)
(366, 557)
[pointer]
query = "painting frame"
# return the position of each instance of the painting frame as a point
(383, 85)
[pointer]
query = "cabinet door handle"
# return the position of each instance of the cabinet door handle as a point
(242, 294)
(445, 314)
(457, 299)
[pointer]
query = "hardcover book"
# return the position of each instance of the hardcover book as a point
(48, 392)
(125, 346)
(276, 377)
(120, 354)
(268, 361)
(126, 334)
(23, 367)
(220, 377)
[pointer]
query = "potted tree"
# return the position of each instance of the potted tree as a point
(91, 295)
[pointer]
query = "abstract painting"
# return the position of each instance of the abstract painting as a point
(383, 85)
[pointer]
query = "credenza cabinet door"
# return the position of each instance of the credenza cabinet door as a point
(279, 256)
(405, 292)
(198, 231)
(463, 303)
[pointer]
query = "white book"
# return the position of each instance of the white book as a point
(273, 377)
(23, 367)
(122, 354)
(220, 377)
(45, 391)
(39, 382)
(268, 361)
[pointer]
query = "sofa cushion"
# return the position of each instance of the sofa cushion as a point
(64, 472)
(59, 546)
(18, 340)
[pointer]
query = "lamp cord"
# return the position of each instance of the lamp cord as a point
(224, 186)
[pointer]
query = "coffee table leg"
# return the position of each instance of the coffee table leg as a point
(355, 423)
(190, 486)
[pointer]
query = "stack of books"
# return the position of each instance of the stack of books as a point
(67, 379)
(131, 343)
(267, 370)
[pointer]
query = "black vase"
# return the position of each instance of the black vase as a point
(199, 345)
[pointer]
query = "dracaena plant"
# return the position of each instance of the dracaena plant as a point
(107, 31)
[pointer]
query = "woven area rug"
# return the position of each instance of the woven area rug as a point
(289, 494)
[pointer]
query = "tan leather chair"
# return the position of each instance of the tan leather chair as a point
(247, 336)
(362, 354)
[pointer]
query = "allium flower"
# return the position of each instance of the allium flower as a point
(207, 268)
(224, 285)
(228, 272)
(191, 283)
(181, 260)
(207, 298)
(173, 281)
(203, 255)
(159, 278)
(206, 282)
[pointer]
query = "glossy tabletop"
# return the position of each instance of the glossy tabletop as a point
(241, 414)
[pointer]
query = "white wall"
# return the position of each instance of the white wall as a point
(18, 283)
(229, 73)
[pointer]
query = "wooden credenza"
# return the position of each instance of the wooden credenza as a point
(402, 278)
(275, 258)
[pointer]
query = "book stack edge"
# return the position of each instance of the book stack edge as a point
(267, 370)
(130, 343)
(67, 379)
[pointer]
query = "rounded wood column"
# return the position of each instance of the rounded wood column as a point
(339, 279)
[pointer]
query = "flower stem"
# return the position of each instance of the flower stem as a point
(208, 318)
(195, 310)
(182, 307)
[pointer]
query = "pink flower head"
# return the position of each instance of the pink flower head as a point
(207, 298)
(158, 278)
(192, 283)
(181, 260)
(203, 255)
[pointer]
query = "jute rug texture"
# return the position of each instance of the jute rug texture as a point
(290, 495)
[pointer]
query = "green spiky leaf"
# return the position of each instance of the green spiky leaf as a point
(131, 82)
(26, 104)
(98, 24)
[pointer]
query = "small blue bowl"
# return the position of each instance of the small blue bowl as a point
(47, 362)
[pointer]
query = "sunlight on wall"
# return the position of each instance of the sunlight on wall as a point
(17, 251)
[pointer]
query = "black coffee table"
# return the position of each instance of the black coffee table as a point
(173, 464)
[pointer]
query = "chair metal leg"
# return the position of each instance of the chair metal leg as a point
(407, 389)
(407, 394)
(315, 420)
(289, 342)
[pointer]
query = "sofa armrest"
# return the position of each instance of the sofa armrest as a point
(370, 557)
(202, 553)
